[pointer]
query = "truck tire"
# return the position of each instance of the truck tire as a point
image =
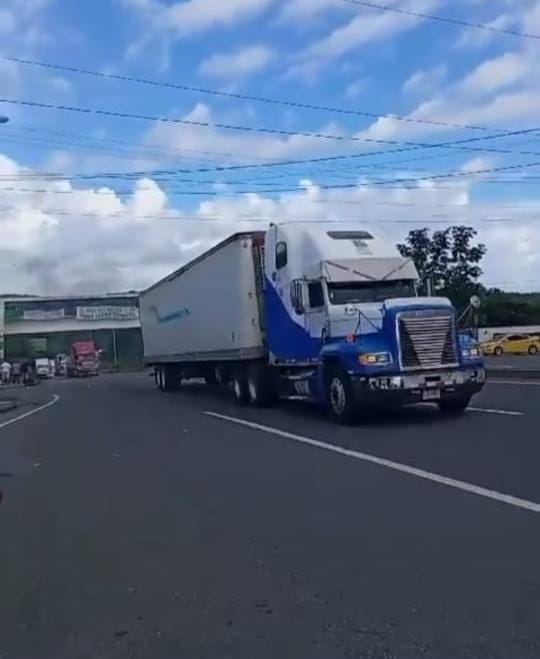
(340, 398)
(456, 404)
(240, 387)
(171, 378)
(259, 385)
(210, 378)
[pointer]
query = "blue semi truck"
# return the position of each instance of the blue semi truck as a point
(325, 312)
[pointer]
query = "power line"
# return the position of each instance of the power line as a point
(267, 219)
(413, 145)
(442, 19)
(343, 186)
(243, 128)
(238, 96)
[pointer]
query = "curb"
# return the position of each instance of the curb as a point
(514, 373)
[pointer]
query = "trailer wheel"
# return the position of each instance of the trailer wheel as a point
(340, 397)
(171, 378)
(240, 388)
(210, 378)
(259, 385)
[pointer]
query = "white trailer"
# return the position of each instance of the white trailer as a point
(206, 314)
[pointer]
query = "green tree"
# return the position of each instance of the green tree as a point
(450, 259)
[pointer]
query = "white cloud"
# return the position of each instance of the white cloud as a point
(499, 72)
(365, 27)
(239, 64)
(244, 146)
(91, 240)
(185, 18)
(425, 81)
(356, 87)
(474, 38)
(8, 21)
(308, 9)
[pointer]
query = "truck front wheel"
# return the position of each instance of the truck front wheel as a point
(340, 398)
(456, 404)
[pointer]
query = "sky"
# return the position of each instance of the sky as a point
(245, 112)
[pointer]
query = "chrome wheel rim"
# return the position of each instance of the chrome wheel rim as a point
(252, 390)
(237, 388)
(338, 397)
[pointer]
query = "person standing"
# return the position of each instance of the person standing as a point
(5, 370)
(16, 373)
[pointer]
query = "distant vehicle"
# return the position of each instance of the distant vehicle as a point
(83, 360)
(61, 362)
(42, 367)
(326, 313)
(512, 344)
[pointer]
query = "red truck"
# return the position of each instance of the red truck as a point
(83, 360)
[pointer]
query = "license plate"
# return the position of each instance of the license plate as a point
(431, 394)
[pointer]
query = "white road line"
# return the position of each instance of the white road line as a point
(52, 402)
(527, 383)
(487, 410)
(389, 464)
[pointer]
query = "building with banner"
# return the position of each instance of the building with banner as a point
(47, 326)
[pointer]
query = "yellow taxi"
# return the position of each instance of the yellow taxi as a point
(512, 344)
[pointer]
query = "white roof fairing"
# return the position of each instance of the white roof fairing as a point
(341, 251)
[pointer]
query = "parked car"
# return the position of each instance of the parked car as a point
(512, 344)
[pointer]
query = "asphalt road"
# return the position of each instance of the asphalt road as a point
(514, 361)
(135, 525)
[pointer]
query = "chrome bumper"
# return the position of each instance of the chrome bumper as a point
(443, 380)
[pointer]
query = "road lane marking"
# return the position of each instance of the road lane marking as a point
(527, 383)
(487, 410)
(389, 464)
(52, 402)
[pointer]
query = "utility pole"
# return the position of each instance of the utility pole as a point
(115, 347)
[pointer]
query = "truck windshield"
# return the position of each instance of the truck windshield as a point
(372, 291)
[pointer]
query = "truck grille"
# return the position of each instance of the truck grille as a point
(427, 339)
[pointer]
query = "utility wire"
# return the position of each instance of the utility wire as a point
(401, 182)
(413, 145)
(442, 19)
(234, 95)
(172, 215)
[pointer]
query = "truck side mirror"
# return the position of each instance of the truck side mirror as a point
(297, 300)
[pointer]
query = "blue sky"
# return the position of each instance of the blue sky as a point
(322, 52)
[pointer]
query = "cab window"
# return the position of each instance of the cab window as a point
(315, 295)
(281, 255)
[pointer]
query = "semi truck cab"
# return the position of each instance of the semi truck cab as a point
(344, 324)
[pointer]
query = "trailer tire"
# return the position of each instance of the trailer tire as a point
(454, 404)
(340, 399)
(240, 387)
(170, 378)
(259, 385)
(210, 378)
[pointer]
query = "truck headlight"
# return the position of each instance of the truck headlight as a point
(375, 358)
(471, 353)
